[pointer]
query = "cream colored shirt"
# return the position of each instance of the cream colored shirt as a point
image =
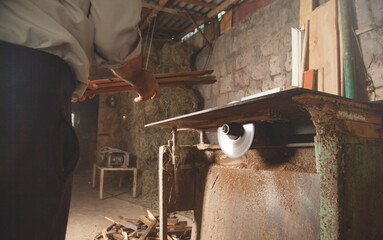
(75, 30)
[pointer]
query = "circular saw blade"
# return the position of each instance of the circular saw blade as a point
(235, 148)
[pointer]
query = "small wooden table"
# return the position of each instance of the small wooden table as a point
(102, 172)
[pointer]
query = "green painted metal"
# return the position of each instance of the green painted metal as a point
(363, 188)
(328, 150)
(351, 194)
(348, 56)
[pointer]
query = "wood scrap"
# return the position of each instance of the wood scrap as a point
(178, 79)
(147, 228)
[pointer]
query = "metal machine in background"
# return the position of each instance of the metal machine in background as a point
(274, 175)
(113, 157)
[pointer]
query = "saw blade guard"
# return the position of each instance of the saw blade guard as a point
(236, 139)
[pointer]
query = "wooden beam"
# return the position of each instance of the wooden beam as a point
(166, 14)
(149, 18)
(169, 29)
(214, 12)
(198, 3)
(159, 8)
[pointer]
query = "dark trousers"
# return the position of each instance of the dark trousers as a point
(38, 147)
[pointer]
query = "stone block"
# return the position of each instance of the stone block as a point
(378, 94)
(237, 95)
(267, 84)
(267, 49)
(223, 99)
(279, 80)
(259, 70)
(376, 71)
(242, 78)
(288, 62)
(226, 84)
(274, 65)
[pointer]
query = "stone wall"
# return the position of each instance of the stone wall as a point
(368, 22)
(253, 56)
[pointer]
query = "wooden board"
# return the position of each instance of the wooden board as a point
(226, 21)
(306, 7)
(324, 45)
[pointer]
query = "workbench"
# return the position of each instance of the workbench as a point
(119, 169)
(322, 185)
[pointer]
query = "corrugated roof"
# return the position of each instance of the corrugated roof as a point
(171, 16)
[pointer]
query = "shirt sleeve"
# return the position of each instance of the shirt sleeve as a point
(117, 37)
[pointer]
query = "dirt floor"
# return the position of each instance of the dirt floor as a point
(87, 212)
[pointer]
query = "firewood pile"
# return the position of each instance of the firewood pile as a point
(145, 228)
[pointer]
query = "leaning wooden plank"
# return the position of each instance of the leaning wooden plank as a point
(145, 220)
(148, 230)
(150, 216)
(323, 45)
(306, 7)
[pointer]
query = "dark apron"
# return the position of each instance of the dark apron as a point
(38, 147)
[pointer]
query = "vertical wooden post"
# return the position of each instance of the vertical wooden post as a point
(94, 176)
(101, 182)
(163, 195)
(134, 191)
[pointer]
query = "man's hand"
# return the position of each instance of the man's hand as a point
(146, 87)
(91, 86)
(143, 82)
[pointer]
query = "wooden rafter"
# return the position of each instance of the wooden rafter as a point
(166, 14)
(169, 29)
(198, 3)
(151, 15)
(214, 12)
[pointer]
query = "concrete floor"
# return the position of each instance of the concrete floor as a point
(87, 212)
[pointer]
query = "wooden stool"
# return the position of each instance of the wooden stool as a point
(102, 172)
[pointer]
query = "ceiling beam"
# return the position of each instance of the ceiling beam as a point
(169, 29)
(198, 3)
(159, 8)
(212, 13)
(151, 15)
(166, 14)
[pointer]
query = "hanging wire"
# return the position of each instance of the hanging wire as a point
(147, 36)
(150, 44)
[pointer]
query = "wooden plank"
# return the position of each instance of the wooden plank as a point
(296, 55)
(151, 15)
(150, 216)
(226, 21)
(309, 79)
(303, 66)
(306, 7)
(106, 83)
(323, 45)
(162, 9)
(128, 88)
(365, 130)
(145, 220)
(148, 230)
(163, 194)
(320, 79)
(198, 3)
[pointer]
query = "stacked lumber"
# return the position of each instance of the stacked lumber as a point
(145, 228)
(177, 79)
